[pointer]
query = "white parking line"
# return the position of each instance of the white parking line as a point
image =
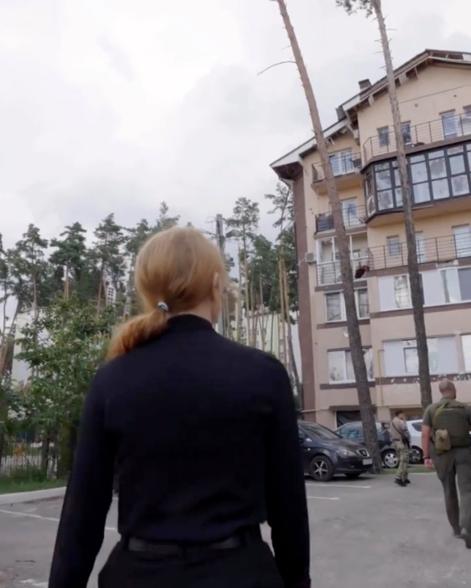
(323, 497)
(330, 485)
(36, 516)
(32, 582)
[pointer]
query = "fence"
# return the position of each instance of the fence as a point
(353, 216)
(21, 457)
(432, 131)
(435, 249)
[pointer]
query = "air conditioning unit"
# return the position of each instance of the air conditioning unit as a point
(310, 257)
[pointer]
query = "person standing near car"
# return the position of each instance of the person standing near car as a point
(204, 434)
(400, 438)
(446, 443)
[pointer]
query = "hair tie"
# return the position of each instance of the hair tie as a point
(163, 306)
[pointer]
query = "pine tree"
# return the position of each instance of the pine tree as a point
(353, 326)
(70, 256)
(416, 287)
(108, 256)
(243, 225)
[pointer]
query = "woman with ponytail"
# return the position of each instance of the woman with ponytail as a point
(203, 434)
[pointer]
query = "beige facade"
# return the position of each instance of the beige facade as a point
(434, 90)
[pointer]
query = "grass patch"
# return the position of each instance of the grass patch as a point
(27, 479)
(10, 485)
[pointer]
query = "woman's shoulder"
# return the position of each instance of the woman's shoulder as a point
(263, 359)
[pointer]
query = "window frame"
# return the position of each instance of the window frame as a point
(410, 345)
(393, 242)
(449, 115)
(466, 359)
(391, 188)
(341, 158)
(343, 312)
(369, 369)
(409, 295)
(406, 126)
(456, 270)
(383, 136)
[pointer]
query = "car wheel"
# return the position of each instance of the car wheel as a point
(416, 455)
(390, 459)
(321, 469)
(353, 475)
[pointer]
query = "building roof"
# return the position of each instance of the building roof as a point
(288, 165)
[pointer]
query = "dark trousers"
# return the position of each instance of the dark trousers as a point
(452, 466)
(249, 566)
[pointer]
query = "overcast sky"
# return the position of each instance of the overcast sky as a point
(115, 105)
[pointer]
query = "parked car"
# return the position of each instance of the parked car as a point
(415, 431)
(354, 432)
(325, 453)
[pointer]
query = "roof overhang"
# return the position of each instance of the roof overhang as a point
(290, 165)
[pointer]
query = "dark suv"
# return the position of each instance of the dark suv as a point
(326, 454)
(354, 432)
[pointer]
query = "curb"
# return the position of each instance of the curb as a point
(33, 496)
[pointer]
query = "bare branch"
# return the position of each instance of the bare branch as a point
(275, 65)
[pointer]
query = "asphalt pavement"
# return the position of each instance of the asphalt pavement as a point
(365, 534)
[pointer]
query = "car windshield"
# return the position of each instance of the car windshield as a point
(319, 431)
(417, 426)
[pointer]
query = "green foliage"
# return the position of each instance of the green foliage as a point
(28, 270)
(264, 273)
(69, 260)
(164, 221)
(64, 348)
(352, 6)
(244, 221)
(107, 251)
(283, 208)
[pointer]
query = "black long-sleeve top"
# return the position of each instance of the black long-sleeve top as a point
(204, 435)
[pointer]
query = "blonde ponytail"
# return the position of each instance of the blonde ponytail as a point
(136, 331)
(174, 273)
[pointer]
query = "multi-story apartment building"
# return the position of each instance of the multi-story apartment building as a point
(434, 90)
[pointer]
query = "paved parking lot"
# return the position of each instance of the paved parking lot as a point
(365, 534)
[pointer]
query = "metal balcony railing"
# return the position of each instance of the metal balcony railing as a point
(442, 129)
(436, 250)
(353, 216)
(432, 250)
(328, 272)
(342, 164)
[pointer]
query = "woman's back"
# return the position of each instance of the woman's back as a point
(191, 412)
(202, 433)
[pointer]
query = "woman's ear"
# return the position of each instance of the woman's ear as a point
(217, 289)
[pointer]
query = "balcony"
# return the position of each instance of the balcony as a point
(346, 168)
(329, 273)
(444, 249)
(440, 178)
(448, 128)
(353, 217)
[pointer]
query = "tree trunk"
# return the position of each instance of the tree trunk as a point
(35, 299)
(100, 288)
(294, 367)
(66, 284)
(45, 454)
(284, 346)
(263, 326)
(353, 327)
(416, 288)
(246, 291)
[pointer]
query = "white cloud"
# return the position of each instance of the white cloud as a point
(111, 105)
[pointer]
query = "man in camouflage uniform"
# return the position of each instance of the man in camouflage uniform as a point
(400, 438)
(455, 417)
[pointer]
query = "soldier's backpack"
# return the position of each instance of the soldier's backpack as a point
(441, 437)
